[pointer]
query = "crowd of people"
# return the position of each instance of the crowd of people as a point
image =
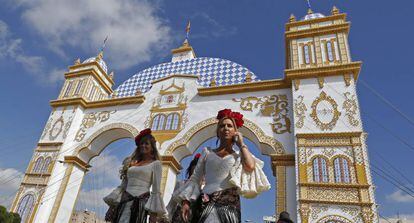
(215, 180)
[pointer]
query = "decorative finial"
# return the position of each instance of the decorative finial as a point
(99, 57)
(77, 61)
(248, 77)
(335, 10)
(213, 82)
(115, 94)
(187, 30)
(310, 11)
(138, 92)
(292, 18)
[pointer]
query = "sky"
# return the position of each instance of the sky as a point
(40, 39)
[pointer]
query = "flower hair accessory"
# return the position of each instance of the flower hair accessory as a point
(198, 155)
(228, 113)
(141, 135)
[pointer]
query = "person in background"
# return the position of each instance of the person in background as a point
(284, 217)
(174, 206)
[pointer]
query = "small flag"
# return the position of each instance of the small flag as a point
(104, 43)
(309, 4)
(187, 29)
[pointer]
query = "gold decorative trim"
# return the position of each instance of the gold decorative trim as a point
(341, 16)
(335, 185)
(78, 162)
(61, 192)
(281, 189)
(335, 113)
(172, 162)
(172, 76)
(131, 129)
(318, 31)
(181, 49)
(329, 139)
(77, 66)
(296, 83)
(282, 160)
(351, 108)
(180, 107)
(49, 143)
(334, 218)
(310, 201)
(275, 106)
(95, 75)
(245, 87)
(321, 82)
(262, 138)
(139, 99)
(324, 71)
(299, 109)
(347, 79)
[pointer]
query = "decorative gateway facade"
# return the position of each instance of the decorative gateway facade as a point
(308, 123)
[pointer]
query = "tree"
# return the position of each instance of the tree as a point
(8, 217)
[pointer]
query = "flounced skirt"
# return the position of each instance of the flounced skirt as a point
(131, 209)
(221, 207)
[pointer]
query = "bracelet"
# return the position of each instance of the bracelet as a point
(243, 146)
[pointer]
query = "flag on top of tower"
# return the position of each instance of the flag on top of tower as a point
(187, 29)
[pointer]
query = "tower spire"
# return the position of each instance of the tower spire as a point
(185, 51)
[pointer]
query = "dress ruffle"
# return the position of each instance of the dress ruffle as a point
(189, 192)
(252, 183)
(155, 204)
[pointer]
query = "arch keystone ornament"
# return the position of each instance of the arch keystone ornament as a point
(179, 102)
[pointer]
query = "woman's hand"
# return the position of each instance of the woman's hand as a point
(185, 210)
(153, 217)
(238, 136)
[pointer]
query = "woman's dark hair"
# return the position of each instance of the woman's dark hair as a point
(191, 167)
(138, 156)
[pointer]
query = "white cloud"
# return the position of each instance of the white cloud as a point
(406, 218)
(106, 166)
(399, 196)
(11, 48)
(10, 180)
(136, 32)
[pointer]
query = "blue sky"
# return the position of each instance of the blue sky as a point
(39, 40)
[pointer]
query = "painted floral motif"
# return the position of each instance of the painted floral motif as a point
(351, 108)
(275, 106)
(299, 110)
(89, 120)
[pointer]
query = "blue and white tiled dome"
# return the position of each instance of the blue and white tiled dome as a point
(101, 62)
(225, 72)
(313, 16)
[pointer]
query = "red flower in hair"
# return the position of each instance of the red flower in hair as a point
(142, 134)
(228, 113)
(238, 118)
(224, 113)
(198, 155)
